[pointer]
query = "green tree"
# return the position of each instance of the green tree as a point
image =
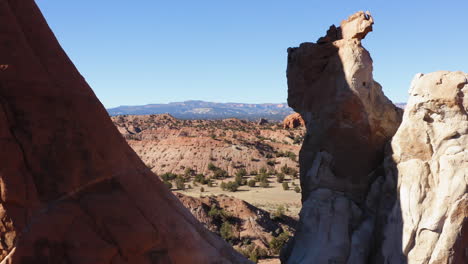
(285, 186)
(297, 189)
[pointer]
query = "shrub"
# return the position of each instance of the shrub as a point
(272, 172)
(262, 170)
(264, 184)
(200, 178)
(251, 183)
(253, 253)
(168, 184)
(180, 183)
(212, 167)
(238, 179)
(280, 177)
(168, 176)
(202, 189)
(297, 189)
(219, 214)
(271, 163)
(253, 172)
(261, 177)
(226, 231)
(279, 213)
(241, 172)
(188, 172)
(230, 186)
(291, 155)
(209, 183)
(220, 174)
(285, 186)
(276, 243)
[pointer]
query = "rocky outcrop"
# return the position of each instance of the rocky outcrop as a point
(71, 189)
(249, 222)
(349, 120)
(431, 162)
(293, 121)
(409, 205)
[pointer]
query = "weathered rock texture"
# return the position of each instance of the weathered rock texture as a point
(359, 205)
(71, 189)
(349, 120)
(293, 121)
(431, 157)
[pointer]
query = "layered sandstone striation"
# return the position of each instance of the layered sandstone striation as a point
(431, 162)
(71, 189)
(349, 120)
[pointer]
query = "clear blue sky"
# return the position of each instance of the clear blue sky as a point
(151, 51)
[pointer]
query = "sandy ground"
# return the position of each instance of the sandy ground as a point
(265, 198)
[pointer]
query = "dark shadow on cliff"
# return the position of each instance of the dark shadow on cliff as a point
(343, 150)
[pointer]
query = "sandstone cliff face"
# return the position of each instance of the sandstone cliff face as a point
(348, 120)
(71, 189)
(431, 157)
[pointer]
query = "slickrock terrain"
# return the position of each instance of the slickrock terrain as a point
(361, 204)
(71, 189)
(167, 144)
(431, 157)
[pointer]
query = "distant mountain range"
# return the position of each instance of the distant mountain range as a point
(208, 110)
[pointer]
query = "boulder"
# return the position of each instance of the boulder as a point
(293, 121)
(71, 189)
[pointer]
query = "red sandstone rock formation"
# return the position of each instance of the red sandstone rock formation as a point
(293, 121)
(71, 189)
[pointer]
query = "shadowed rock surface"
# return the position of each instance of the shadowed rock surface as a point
(349, 120)
(71, 189)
